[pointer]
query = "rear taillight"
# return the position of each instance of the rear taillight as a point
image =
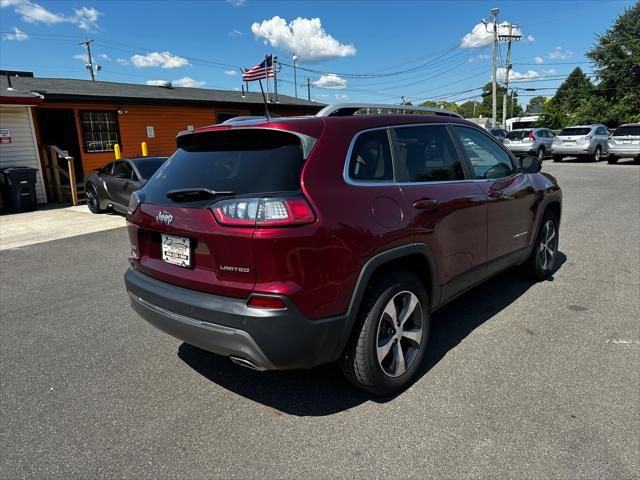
(134, 202)
(263, 212)
(531, 138)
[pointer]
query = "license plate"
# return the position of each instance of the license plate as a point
(569, 141)
(176, 250)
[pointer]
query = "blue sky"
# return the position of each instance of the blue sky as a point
(376, 51)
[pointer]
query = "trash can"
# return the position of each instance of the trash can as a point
(18, 185)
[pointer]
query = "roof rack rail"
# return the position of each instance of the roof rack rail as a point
(349, 109)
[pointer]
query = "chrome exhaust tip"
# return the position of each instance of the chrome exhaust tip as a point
(246, 363)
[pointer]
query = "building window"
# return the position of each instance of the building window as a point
(99, 130)
(224, 116)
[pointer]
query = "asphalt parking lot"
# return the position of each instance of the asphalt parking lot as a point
(521, 381)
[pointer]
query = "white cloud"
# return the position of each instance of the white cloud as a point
(122, 61)
(84, 17)
(180, 82)
(331, 80)
(106, 57)
(234, 33)
(531, 38)
(230, 72)
(341, 96)
(237, 3)
(188, 82)
(538, 60)
(551, 71)
(515, 75)
(303, 36)
(482, 36)
(82, 56)
(559, 53)
(17, 35)
(159, 59)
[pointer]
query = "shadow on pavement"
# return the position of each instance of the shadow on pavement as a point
(323, 390)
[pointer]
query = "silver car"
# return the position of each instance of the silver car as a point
(499, 133)
(529, 141)
(588, 141)
(624, 142)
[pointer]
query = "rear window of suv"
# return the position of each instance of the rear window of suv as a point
(518, 134)
(239, 161)
(566, 132)
(630, 130)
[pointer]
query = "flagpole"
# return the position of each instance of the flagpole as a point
(266, 75)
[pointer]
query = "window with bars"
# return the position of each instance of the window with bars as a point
(99, 131)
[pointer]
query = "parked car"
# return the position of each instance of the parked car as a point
(624, 142)
(583, 141)
(112, 185)
(499, 133)
(294, 242)
(529, 141)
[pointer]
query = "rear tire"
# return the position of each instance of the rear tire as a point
(540, 153)
(611, 160)
(390, 335)
(544, 254)
(93, 199)
(557, 158)
(597, 154)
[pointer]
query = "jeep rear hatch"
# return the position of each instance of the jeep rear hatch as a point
(198, 213)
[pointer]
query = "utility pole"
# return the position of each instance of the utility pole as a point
(509, 38)
(308, 89)
(295, 76)
(494, 14)
(266, 74)
(474, 107)
(89, 65)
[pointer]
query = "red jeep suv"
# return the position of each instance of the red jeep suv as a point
(292, 242)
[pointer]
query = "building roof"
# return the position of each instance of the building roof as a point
(59, 89)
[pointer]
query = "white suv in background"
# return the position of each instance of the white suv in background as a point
(624, 142)
(581, 141)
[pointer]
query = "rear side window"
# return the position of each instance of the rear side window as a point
(566, 132)
(371, 158)
(241, 161)
(624, 131)
(426, 154)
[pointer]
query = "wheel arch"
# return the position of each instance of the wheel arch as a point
(416, 258)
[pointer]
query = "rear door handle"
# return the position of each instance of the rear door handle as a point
(427, 204)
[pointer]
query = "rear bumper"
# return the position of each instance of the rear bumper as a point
(268, 339)
(624, 150)
(572, 150)
(520, 149)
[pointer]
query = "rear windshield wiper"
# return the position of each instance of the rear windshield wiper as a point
(196, 192)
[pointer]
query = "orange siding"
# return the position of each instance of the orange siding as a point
(167, 121)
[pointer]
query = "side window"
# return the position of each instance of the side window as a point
(601, 131)
(543, 134)
(371, 158)
(122, 168)
(426, 154)
(487, 158)
(108, 169)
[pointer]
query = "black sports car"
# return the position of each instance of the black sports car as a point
(112, 185)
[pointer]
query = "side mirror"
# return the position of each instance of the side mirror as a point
(530, 164)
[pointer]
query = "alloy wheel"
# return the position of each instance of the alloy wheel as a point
(400, 334)
(92, 198)
(596, 155)
(548, 244)
(541, 154)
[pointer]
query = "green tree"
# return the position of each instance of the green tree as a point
(562, 109)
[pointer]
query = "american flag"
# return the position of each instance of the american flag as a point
(260, 71)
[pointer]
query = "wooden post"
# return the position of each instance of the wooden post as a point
(56, 174)
(72, 181)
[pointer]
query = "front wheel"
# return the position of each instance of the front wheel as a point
(543, 257)
(93, 200)
(390, 337)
